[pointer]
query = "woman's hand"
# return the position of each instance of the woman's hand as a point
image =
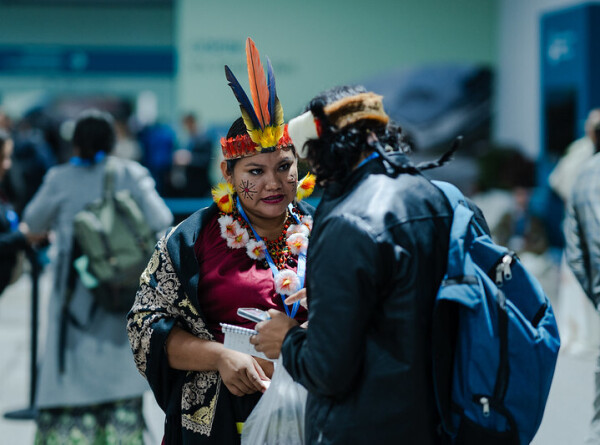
(271, 333)
(241, 373)
(267, 366)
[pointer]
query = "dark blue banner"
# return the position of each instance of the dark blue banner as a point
(41, 60)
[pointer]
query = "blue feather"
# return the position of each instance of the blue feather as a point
(242, 98)
(272, 92)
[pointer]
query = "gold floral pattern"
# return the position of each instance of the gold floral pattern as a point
(161, 296)
(150, 269)
(194, 395)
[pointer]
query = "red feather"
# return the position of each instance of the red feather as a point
(258, 83)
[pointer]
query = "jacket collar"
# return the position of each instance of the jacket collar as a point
(376, 166)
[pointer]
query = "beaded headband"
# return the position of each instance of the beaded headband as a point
(243, 145)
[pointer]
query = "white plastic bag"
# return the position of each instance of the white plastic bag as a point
(278, 417)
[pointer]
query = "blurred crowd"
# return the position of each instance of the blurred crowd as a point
(178, 157)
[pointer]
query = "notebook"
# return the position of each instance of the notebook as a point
(238, 339)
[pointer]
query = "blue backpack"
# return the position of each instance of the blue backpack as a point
(495, 339)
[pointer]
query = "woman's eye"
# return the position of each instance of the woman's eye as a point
(255, 171)
(284, 167)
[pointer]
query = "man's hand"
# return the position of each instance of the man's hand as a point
(298, 296)
(241, 373)
(271, 333)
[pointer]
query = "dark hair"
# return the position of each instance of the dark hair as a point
(94, 132)
(238, 128)
(333, 156)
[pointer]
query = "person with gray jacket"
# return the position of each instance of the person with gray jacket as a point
(97, 394)
(582, 251)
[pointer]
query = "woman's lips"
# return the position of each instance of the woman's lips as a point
(275, 199)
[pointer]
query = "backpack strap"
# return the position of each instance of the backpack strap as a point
(453, 194)
(460, 233)
(110, 174)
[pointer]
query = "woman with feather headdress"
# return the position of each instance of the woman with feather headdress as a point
(248, 249)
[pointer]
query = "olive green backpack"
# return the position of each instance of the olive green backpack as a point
(114, 243)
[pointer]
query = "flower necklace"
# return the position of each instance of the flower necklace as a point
(234, 226)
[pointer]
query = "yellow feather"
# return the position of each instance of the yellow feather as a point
(222, 195)
(306, 186)
(269, 137)
(247, 121)
(278, 112)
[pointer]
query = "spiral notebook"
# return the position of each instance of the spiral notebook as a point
(238, 339)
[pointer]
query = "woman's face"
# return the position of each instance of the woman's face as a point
(5, 157)
(265, 183)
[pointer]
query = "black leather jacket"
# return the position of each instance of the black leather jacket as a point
(377, 255)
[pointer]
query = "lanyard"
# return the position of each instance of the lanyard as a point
(367, 159)
(301, 269)
(79, 162)
(13, 219)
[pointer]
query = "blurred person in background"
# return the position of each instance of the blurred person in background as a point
(97, 396)
(232, 254)
(157, 140)
(582, 234)
(579, 323)
(565, 173)
(126, 146)
(15, 237)
(5, 121)
(200, 147)
(32, 157)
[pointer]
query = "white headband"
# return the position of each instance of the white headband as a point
(301, 129)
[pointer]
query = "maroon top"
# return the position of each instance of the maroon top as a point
(230, 279)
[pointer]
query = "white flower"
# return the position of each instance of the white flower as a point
(307, 220)
(297, 228)
(287, 282)
(238, 240)
(229, 226)
(297, 243)
(256, 249)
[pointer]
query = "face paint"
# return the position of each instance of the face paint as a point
(266, 183)
(246, 189)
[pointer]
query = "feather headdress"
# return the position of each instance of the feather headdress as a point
(263, 116)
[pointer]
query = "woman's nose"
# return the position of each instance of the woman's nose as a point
(273, 182)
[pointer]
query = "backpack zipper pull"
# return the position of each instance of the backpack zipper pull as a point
(499, 274)
(506, 262)
(485, 402)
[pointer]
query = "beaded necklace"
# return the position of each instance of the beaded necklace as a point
(277, 248)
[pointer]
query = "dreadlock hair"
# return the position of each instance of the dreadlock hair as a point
(238, 128)
(336, 152)
(94, 132)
